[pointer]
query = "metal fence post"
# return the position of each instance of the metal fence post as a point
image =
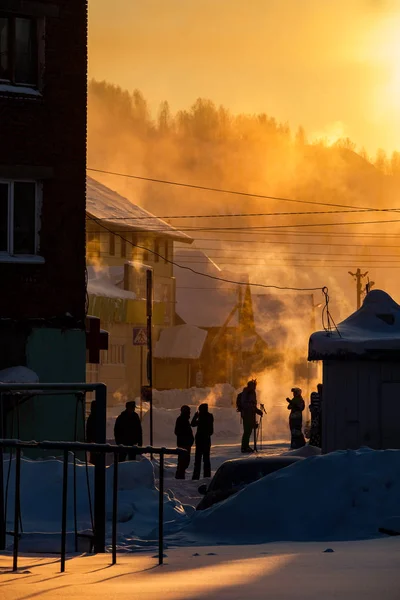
(17, 502)
(3, 525)
(161, 510)
(64, 510)
(100, 472)
(115, 509)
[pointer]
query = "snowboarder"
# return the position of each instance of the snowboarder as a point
(296, 406)
(128, 430)
(246, 404)
(91, 430)
(184, 439)
(204, 421)
(315, 410)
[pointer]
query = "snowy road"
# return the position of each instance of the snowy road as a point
(283, 571)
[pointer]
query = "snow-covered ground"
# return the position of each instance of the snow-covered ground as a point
(281, 571)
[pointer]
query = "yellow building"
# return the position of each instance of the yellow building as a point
(123, 241)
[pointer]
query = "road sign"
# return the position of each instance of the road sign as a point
(139, 336)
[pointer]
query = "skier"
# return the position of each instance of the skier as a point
(128, 430)
(184, 439)
(296, 406)
(315, 410)
(246, 404)
(204, 421)
(91, 430)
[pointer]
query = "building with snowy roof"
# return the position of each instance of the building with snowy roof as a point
(123, 242)
(361, 376)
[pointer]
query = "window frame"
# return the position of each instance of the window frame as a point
(111, 243)
(10, 252)
(11, 49)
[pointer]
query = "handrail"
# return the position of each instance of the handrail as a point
(87, 447)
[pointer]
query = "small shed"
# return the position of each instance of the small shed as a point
(177, 356)
(361, 377)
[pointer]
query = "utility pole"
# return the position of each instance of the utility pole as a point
(358, 276)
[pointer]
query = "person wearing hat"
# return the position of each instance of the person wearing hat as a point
(296, 406)
(128, 430)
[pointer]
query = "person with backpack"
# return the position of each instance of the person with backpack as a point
(184, 439)
(246, 404)
(204, 421)
(296, 406)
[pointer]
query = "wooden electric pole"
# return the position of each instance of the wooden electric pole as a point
(358, 276)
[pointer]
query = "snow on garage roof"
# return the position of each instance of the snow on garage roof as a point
(181, 341)
(103, 203)
(374, 327)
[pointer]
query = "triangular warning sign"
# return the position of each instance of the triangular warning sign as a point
(140, 338)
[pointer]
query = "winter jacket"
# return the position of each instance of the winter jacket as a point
(183, 432)
(296, 405)
(91, 428)
(128, 429)
(248, 404)
(205, 425)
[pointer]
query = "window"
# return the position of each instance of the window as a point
(19, 207)
(115, 355)
(18, 51)
(111, 246)
(157, 251)
(93, 245)
(123, 247)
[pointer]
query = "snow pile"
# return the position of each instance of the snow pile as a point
(339, 496)
(221, 394)
(41, 495)
(305, 451)
(18, 375)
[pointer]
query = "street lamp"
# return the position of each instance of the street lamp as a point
(313, 307)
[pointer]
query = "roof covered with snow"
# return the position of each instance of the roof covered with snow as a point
(182, 341)
(204, 301)
(374, 328)
(109, 206)
(108, 282)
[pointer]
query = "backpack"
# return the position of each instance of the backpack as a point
(239, 402)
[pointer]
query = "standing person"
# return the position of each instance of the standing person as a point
(184, 439)
(296, 406)
(91, 430)
(128, 430)
(315, 410)
(204, 421)
(247, 406)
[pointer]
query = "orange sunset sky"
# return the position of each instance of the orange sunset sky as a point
(330, 65)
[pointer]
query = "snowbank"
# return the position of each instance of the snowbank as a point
(305, 451)
(344, 495)
(18, 375)
(41, 489)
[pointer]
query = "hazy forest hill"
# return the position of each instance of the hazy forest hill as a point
(208, 145)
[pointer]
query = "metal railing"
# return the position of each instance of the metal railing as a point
(99, 449)
(100, 438)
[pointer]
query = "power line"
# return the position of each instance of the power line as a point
(261, 285)
(272, 242)
(266, 228)
(225, 191)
